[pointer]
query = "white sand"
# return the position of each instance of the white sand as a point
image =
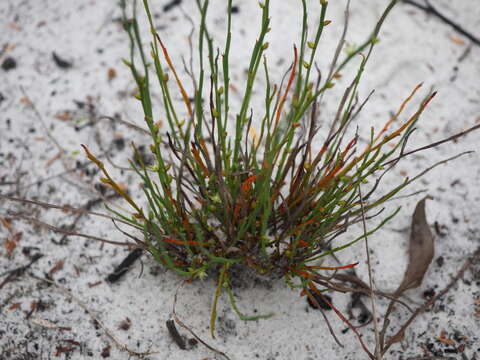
(414, 48)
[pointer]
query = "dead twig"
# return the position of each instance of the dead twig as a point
(68, 232)
(377, 352)
(66, 208)
(435, 144)
(430, 9)
(183, 325)
(400, 333)
(19, 271)
(107, 331)
(88, 206)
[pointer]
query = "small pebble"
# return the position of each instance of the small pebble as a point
(9, 63)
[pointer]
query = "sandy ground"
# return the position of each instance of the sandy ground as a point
(48, 107)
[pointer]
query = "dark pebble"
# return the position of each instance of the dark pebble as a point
(440, 261)
(61, 63)
(428, 294)
(119, 143)
(9, 63)
(171, 5)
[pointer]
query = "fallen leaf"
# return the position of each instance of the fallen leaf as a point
(15, 26)
(25, 100)
(421, 249)
(457, 40)
(7, 223)
(14, 306)
(125, 324)
(65, 116)
(444, 339)
(447, 341)
(57, 267)
(91, 285)
(63, 350)
(106, 351)
(112, 74)
(12, 243)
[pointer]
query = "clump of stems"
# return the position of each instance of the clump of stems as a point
(273, 200)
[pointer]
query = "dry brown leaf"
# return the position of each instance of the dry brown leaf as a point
(112, 74)
(9, 47)
(12, 242)
(125, 324)
(421, 249)
(57, 267)
(91, 285)
(457, 40)
(63, 350)
(15, 26)
(443, 338)
(7, 223)
(25, 100)
(14, 306)
(446, 341)
(65, 116)
(10, 247)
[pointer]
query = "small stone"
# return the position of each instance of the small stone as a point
(9, 63)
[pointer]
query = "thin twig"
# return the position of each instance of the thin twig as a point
(66, 208)
(435, 144)
(329, 326)
(400, 333)
(377, 352)
(15, 273)
(429, 9)
(88, 206)
(107, 331)
(68, 232)
(180, 323)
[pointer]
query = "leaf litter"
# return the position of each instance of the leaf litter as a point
(421, 250)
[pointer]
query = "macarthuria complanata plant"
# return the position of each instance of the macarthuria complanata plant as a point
(266, 192)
